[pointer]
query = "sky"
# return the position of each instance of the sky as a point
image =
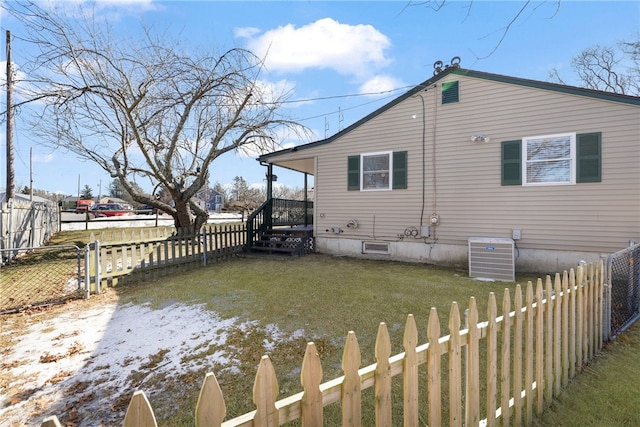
(339, 60)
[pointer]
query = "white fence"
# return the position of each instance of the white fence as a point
(26, 224)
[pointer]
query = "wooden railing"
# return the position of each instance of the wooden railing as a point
(543, 341)
(276, 213)
(147, 257)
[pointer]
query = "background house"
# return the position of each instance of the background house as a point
(464, 155)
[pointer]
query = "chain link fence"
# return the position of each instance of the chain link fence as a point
(36, 277)
(622, 305)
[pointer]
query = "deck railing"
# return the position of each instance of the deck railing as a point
(278, 213)
(541, 341)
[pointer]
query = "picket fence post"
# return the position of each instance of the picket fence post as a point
(312, 407)
(351, 387)
(210, 409)
(139, 412)
(434, 386)
(410, 369)
(455, 367)
(382, 385)
(265, 392)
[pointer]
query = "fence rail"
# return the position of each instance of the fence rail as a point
(531, 352)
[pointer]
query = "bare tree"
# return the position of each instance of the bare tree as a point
(607, 68)
(146, 109)
(525, 7)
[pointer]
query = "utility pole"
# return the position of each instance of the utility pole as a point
(10, 169)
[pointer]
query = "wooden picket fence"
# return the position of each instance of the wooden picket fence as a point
(136, 256)
(530, 353)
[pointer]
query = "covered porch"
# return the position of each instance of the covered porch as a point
(282, 225)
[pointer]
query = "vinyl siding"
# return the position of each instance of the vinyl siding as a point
(469, 197)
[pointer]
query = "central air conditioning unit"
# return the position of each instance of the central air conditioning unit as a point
(492, 258)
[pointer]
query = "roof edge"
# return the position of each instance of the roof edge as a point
(556, 87)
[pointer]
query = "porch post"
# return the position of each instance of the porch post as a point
(306, 202)
(269, 181)
(268, 213)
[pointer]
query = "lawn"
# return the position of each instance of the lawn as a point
(315, 298)
(320, 298)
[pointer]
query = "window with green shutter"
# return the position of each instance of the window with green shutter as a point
(377, 171)
(552, 159)
(588, 157)
(511, 162)
(353, 174)
(399, 170)
(450, 92)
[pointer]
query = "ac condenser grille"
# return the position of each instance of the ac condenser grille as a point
(492, 258)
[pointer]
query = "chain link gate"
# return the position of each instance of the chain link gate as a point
(622, 304)
(36, 277)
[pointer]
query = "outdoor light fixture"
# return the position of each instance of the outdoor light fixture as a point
(480, 138)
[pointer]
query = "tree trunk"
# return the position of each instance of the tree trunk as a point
(189, 216)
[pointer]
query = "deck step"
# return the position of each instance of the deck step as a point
(288, 241)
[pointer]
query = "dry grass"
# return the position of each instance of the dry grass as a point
(325, 297)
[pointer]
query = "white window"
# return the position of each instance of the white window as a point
(549, 159)
(376, 171)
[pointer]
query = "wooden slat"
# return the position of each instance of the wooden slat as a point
(351, 389)
(265, 392)
(529, 355)
(139, 412)
(539, 348)
(382, 388)
(517, 357)
(548, 391)
(505, 357)
(557, 336)
(310, 377)
(572, 324)
(434, 387)
(472, 394)
(210, 409)
(455, 368)
(579, 320)
(410, 369)
(492, 360)
(565, 328)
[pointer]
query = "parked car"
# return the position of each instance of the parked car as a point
(147, 210)
(82, 206)
(108, 209)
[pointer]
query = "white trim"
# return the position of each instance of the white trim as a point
(389, 154)
(571, 159)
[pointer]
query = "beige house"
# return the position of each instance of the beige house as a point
(553, 170)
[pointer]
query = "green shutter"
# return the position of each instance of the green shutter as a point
(512, 162)
(399, 170)
(588, 157)
(353, 173)
(450, 92)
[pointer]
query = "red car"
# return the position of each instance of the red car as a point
(108, 209)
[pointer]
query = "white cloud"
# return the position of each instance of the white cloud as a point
(379, 84)
(326, 43)
(246, 32)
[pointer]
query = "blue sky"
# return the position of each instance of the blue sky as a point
(342, 60)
